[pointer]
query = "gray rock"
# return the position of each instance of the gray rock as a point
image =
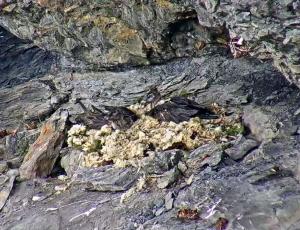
(241, 147)
(209, 154)
(160, 211)
(35, 222)
(168, 178)
(260, 191)
(182, 167)
(18, 144)
(7, 182)
(98, 34)
(262, 125)
(15, 163)
(42, 154)
(134, 33)
(169, 200)
(70, 160)
(33, 101)
(2, 150)
(14, 67)
(160, 162)
(106, 179)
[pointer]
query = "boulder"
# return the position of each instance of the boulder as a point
(42, 154)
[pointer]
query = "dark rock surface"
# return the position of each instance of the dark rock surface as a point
(138, 32)
(21, 61)
(27, 103)
(253, 183)
(257, 188)
(241, 147)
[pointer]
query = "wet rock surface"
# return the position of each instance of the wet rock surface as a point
(250, 182)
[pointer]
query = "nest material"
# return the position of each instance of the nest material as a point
(127, 147)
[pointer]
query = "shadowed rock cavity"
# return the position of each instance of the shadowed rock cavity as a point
(21, 60)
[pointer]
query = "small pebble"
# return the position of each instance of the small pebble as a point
(182, 166)
(189, 181)
(37, 198)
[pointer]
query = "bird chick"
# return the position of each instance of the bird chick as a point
(152, 97)
(118, 117)
(179, 109)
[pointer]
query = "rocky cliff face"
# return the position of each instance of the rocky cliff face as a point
(246, 179)
(251, 182)
(103, 34)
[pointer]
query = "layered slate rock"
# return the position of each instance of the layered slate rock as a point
(109, 33)
(112, 33)
(29, 103)
(42, 154)
(21, 60)
(254, 184)
(270, 27)
(26, 99)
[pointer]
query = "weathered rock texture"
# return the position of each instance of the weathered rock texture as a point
(270, 27)
(42, 154)
(136, 32)
(21, 60)
(254, 185)
(31, 102)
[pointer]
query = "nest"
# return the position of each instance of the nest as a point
(124, 148)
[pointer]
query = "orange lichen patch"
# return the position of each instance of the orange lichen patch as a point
(47, 132)
(188, 214)
(43, 153)
(41, 156)
(47, 129)
(221, 224)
